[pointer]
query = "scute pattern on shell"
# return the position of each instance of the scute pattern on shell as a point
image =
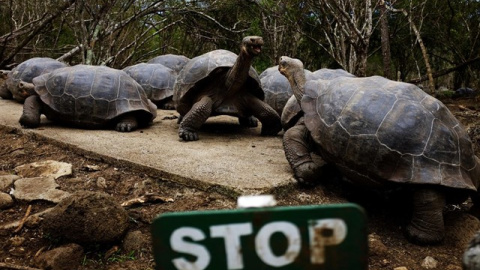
(172, 61)
(156, 80)
(91, 95)
(209, 65)
(375, 129)
(292, 111)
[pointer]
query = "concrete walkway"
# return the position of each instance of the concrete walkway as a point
(227, 158)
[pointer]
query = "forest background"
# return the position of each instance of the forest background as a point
(434, 43)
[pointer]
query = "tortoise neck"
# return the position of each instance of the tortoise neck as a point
(297, 82)
(238, 74)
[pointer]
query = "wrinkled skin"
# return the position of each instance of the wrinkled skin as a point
(426, 225)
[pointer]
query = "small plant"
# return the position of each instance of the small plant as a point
(117, 257)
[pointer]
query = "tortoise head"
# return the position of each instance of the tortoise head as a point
(293, 70)
(26, 89)
(252, 45)
(289, 66)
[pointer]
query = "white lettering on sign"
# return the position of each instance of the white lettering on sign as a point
(178, 244)
(325, 232)
(262, 243)
(322, 233)
(233, 246)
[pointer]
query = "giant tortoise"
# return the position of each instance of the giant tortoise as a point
(383, 134)
(88, 97)
(220, 82)
(157, 80)
(25, 72)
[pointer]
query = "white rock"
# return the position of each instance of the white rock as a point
(6, 181)
(429, 263)
(44, 168)
(38, 188)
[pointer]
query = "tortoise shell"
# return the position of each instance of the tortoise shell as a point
(172, 61)
(377, 131)
(291, 113)
(206, 68)
(329, 74)
(156, 79)
(292, 110)
(91, 96)
(28, 70)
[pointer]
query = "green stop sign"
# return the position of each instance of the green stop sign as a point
(302, 237)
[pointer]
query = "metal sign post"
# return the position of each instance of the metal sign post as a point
(332, 237)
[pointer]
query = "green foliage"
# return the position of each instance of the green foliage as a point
(119, 257)
(135, 31)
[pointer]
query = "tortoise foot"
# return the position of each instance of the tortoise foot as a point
(248, 121)
(187, 135)
(167, 106)
(126, 125)
(28, 122)
(308, 174)
(421, 234)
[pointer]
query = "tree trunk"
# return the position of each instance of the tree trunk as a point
(385, 41)
(35, 31)
(431, 83)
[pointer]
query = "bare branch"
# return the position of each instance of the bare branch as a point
(210, 18)
(37, 30)
(70, 53)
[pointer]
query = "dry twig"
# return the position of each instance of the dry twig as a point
(29, 209)
(147, 198)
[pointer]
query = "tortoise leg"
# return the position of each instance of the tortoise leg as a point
(249, 121)
(194, 119)
(269, 118)
(426, 226)
(126, 123)
(32, 110)
(297, 146)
